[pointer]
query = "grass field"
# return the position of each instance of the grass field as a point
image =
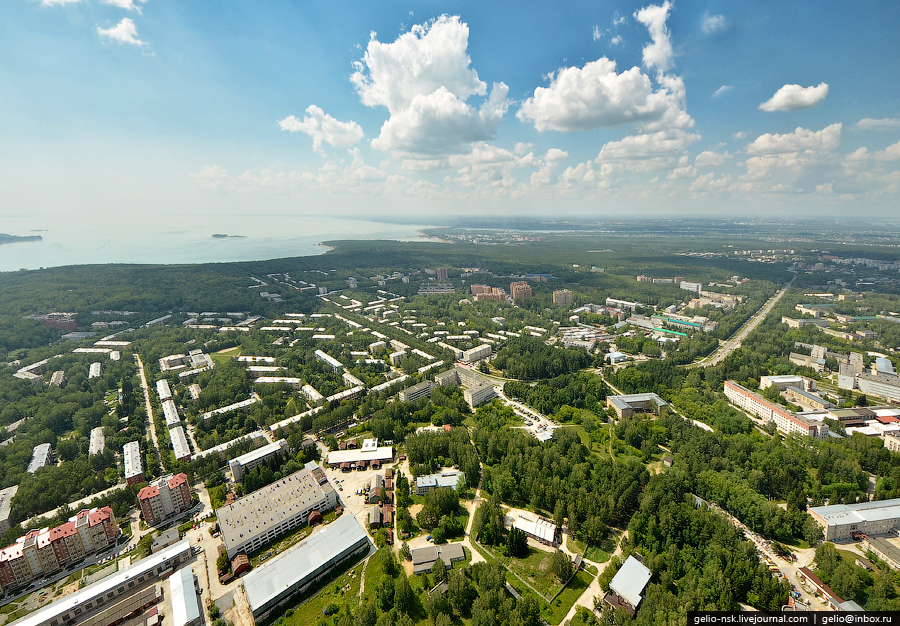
(557, 610)
(311, 610)
(224, 355)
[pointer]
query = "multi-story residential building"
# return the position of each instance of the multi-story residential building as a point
(520, 290)
(134, 471)
(40, 457)
(562, 297)
(47, 550)
(477, 353)
(247, 462)
(416, 392)
(164, 497)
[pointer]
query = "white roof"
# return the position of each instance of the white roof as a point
(170, 413)
(537, 527)
(630, 581)
(179, 443)
(856, 513)
(185, 605)
(381, 453)
(268, 580)
(132, 453)
(261, 453)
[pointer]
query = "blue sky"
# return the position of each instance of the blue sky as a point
(114, 107)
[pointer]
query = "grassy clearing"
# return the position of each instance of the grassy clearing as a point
(603, 552)
(556, 612)
(224, 355)
(337, 592)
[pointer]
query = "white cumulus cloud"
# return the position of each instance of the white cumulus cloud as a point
(128, 5)
(662, 143)
(441, 123)
(711, 159)
(596, 96)
(710, 24)
(658, 53)
(429, 57)
(795, 98)
(123, 32)
(424, 79)
(323, 128)
(801, 139)
(886, 123)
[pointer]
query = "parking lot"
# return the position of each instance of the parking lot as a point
(347, 484)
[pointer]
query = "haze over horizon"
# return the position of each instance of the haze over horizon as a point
(121, 108)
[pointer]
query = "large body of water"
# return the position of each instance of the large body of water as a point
(187, 239)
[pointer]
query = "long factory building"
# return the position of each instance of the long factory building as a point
(274, 582)
(259, 517)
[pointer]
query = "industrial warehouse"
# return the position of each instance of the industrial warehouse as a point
(292, 572)
(261, 516)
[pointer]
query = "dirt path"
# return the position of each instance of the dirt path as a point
(472, 506)
(148, 404)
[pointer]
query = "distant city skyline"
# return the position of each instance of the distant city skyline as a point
(119, 108)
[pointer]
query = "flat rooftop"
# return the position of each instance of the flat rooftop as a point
(839, 514)
(265, 508)
(268, 580)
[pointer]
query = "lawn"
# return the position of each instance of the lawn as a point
(342, 591)
(556, 612)
(602, 553)
(268, 551)
(224, 355)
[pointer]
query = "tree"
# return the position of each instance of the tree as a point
(461, 592)
(367, 614)
(405, 552)
(403, 594)
(516, 543)
(561, 566)
(439, 571)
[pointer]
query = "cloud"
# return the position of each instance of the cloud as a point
(596, 96)
(658, 53)
(891, 153)
(123, 32)
(615, 41)
(795, 98)
(323, 127)
(721, 91)
(711, 159)
(824, 140)
(128, 5)
(429, 57)
(51, 3)
(424, 79)
(887, 123)
(710, 24)
(596, 34)
(441, 123)
(663, 143)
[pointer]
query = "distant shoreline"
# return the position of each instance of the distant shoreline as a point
(5, 238)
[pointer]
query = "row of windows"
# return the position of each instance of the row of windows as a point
(112, 594)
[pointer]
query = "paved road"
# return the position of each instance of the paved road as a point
(148, 404)
(734, 342)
